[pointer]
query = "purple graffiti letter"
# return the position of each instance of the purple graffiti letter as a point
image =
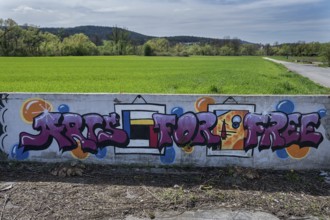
(73, 129)
(276, 124)
(164, 124)
(50, 127)
(204, 136)
(291, 134)
(185, 131)
(254, 126)
(111, 135)
(308, 135)
(92, 122)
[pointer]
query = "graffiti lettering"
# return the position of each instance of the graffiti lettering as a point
(278, 130)
(67, 129)
(190, 128)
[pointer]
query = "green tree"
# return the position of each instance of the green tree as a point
(235, 45)
(195, 49)
(159, 46)
(248, 49)
(31, 40)
(108, 48)
(51, 45)
(121, 39)
(326, 53)
(147, 50)
(10, 34)
(285, 50)
(268, 50)
(315, 48)
(78, 45)
(207, 50)
(226, 51)
(181, 50)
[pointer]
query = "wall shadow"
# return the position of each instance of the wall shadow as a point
(307, 182)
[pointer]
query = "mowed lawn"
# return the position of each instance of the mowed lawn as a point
(132, 74)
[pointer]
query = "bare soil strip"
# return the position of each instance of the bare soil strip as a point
(78, 191)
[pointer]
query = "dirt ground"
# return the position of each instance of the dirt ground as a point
(78, 191)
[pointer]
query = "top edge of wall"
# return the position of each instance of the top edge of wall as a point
(162, 94)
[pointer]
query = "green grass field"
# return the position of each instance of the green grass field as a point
(131, 74)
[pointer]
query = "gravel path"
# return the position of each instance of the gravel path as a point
(317, 74)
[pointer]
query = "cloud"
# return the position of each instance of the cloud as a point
(25, 9)
(252, 20)
(181, 10)
(112, 9)
(278, 3)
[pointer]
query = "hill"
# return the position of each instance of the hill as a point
(96, 33)
(99, 33)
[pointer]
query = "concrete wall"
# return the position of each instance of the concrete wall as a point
(277, 132)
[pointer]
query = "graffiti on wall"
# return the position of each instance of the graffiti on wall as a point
(278, 130)
(223, 129)
(3, 127)
(137, 122)
(230, 127)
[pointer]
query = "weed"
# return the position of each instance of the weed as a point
(151, 215)
(193, 198)
(292, 176)
(220, 197)
(3, 156)
(231, 171)
(214, 89)
(175, 86)
(172, 196)
(287, 86)
(288, 74)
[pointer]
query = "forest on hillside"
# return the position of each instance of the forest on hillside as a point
(16, 40)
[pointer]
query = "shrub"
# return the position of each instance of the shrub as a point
(147, 50)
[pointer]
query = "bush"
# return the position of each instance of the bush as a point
(147, 50)
(183, 54)
(326, 54)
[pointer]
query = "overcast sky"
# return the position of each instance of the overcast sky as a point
(258, 21)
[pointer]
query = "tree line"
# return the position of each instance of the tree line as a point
(29, 40)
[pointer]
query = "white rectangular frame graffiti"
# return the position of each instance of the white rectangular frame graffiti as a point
(230, 153)
(146, 110)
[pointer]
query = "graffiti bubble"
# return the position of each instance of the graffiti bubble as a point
(177, 111)
(78, 153)
(322, 112)
(101, 153)
(282, 154)
(34, 107)
(188, 149)
(18, 153)
(296, 152)
(169, 156)
(285, 106)
(201, 104)
(236, 120)
(63, 108)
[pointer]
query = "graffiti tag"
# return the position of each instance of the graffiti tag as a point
(67, 128)
(276, 130)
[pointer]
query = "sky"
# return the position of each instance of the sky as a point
(257, 21)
